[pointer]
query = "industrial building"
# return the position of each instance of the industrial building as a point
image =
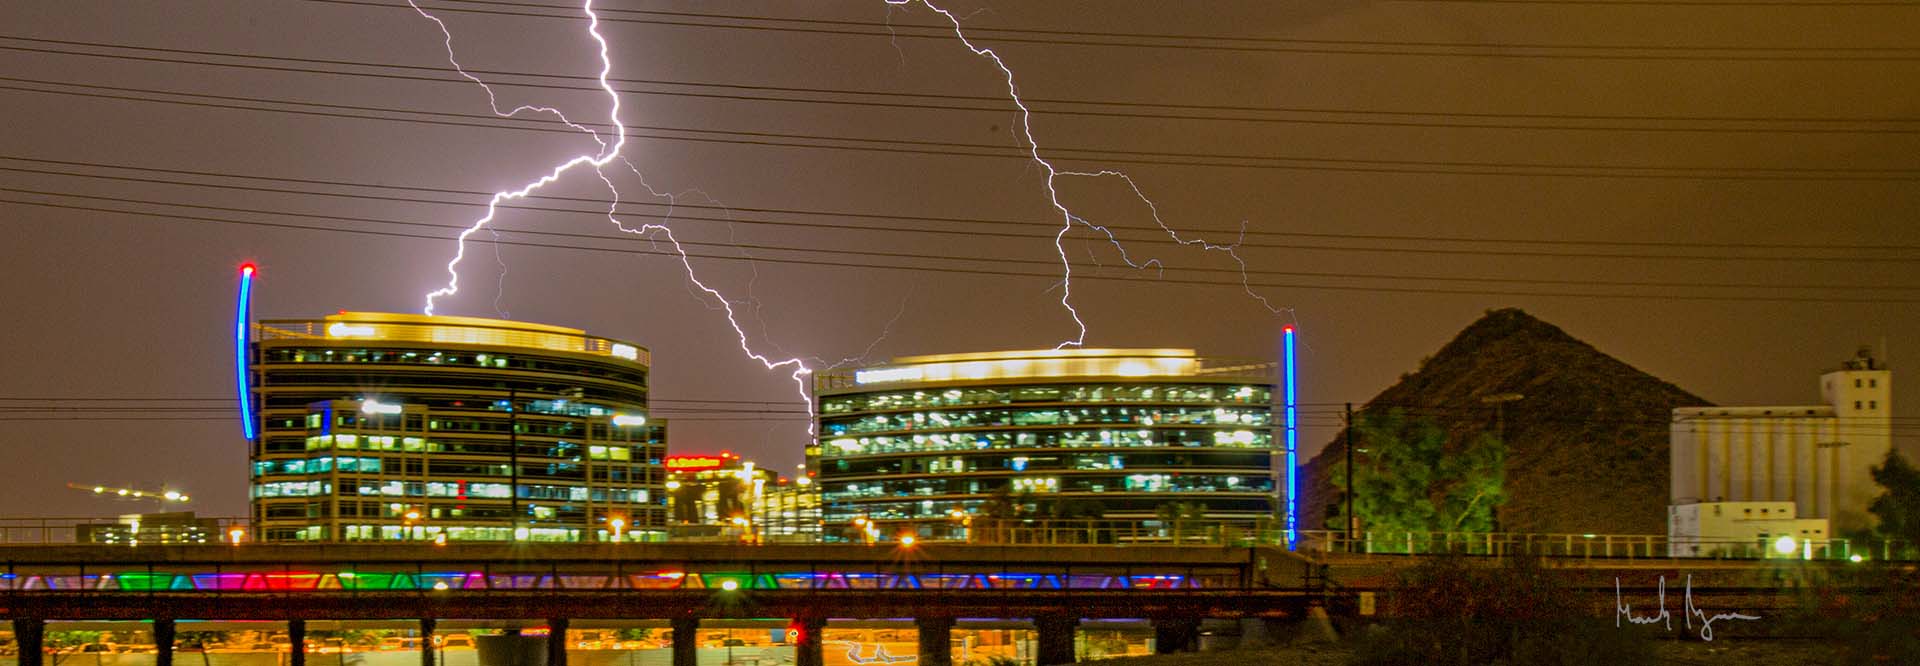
(1816, 457)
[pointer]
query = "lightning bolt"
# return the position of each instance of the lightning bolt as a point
(1067, 216)
(597, 162)
(611, 152)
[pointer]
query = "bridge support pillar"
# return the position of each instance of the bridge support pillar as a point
(163, 633)
(426, 641)
(296, 643)
(1175, 634)
(557, 641)
(806, 647)
(29, 635)
(686, 641)
(936, 640)
(1055, 644)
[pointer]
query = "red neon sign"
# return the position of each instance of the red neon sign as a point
(692, 463)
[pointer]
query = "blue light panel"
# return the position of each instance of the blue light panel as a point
(241, 376)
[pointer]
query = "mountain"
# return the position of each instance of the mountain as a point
(1587, 448)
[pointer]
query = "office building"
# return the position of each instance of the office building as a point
(918, 445)
(385, 427)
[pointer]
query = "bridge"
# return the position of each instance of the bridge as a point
(1053, 587)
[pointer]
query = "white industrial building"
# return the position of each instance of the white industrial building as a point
(1816, 457)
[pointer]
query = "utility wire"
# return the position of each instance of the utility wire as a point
(996, 103)
(997, 260)
(1049, 276)
(946, 30)
(1117, 156)
(1380, 48)
(601, 214)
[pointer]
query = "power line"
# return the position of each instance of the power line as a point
(997, 260)
(601, 214)
(1401, 48)
(1793, 4)
(999, 103)
(1049, 276)
(1118, 156)
(1047, 224)
(946, 31)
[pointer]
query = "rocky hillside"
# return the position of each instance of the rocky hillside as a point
(1587, 444)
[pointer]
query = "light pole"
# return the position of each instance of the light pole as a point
(1347, 436)
(1499, 402)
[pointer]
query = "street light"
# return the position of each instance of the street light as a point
(619, 528)
(235, 534)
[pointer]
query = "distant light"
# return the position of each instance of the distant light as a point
(124, 492)
(440, 539)
(1784, 545)
(235, 535)
(377, 407)
(729, 585)
(99, 489)
(172, 496)
(626, 351)
(907, 541)
(1856, 558)
(442, 585)
(624, 420)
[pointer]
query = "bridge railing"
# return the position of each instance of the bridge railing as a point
(157, 530)
(1627, 546)
(348, 576)
(1107, 532)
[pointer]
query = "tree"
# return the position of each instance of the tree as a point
(1898, 507)
(1002, 504)
(1413, 477)
(1184, 517)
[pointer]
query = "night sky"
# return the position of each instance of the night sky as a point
(1733, 187)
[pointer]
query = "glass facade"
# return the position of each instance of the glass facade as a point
(409, 427)
(921, 445)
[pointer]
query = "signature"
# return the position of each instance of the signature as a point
(1624, 610)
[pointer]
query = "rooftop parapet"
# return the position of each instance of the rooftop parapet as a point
(437, 329)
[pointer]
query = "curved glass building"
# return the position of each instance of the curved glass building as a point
(919, 444)
(388, 427)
